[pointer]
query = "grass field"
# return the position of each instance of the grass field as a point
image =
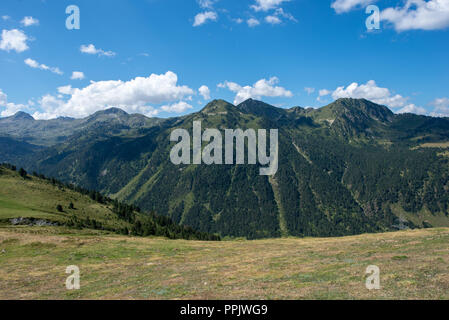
(36, 198)
(413, 265)
(435, 145)
(33, 260)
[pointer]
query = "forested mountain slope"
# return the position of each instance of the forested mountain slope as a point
(347, 168)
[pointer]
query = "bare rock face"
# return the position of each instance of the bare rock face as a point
(32, 222)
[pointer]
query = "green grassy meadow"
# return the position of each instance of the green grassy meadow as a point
(413, 264)
(38, 199)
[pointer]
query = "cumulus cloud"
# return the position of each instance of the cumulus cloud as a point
(411, 108)
(376, 94)
(272, 20)
(36, 65)
(418, 14)
(204, 92)
(6, 18)
(372, 92)
(29, 21)
(15, 40)
(67, 90)
(133, 96)
(280, 13)
(441, 106)
(77, 75)
(206, 4)
(178, 107)
(8, 108)
(50, 106)
(322, 93)
(3, 98)
(342, 6)
(262, 88)
(90, 49)
(266, 5)
(277, 16)
(203, 17)
(252, 22)
(411, 15)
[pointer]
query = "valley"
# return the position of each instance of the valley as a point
(347, 168)
(351, 193)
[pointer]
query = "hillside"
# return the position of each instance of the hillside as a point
(347, 168)
(34, 200)
(413, 265)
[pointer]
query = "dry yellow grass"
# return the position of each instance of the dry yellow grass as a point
(414, 265)
(433, 145)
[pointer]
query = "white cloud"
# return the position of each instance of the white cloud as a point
(14, 40)
(178, 107)
(372, 92)
(49, 104)
(67, 90)
(262, 88)
(441, 107)
(342, 6)
(3, 98)
(412, 15)
(29, 21)
(383, 96)
(280, 13)
(418, 14)
(265, 5)
(206, 4)
(252, 22)
(6, 18)
(411, 108)
(9, 108)
(36, 65)
(132, 96)
(272, 20)
(276, 17)
(12, 108)
(309, 90)
(204, 92)
(77, 75)
(201, 18)
(90, 49)
(440, 103)
(322, 93)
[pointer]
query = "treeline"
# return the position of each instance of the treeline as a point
(141, 223)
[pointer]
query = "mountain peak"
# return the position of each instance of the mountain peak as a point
(217, 105)
(114, 111)
(259, 108)
(361, 106)
(251, 101)
(22, 116)
(109, 112)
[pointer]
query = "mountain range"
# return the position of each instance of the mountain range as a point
(350, 167)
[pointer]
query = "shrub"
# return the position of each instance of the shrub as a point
(22, 173)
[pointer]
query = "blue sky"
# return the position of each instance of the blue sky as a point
(152, 56)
